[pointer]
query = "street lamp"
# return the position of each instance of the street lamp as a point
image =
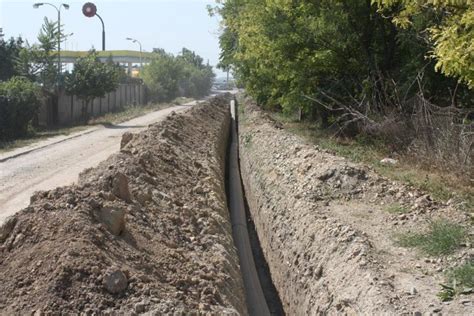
(66, 6)
(89, 10)
(137, 41)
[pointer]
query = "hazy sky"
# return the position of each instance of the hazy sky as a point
(168, 24)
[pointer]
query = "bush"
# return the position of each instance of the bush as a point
(19, 103)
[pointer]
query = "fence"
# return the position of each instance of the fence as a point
(67, 109)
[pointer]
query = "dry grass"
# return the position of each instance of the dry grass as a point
(441, 183)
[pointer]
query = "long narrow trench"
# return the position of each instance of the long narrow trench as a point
(261, 295)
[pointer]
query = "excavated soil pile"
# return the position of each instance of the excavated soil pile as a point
(147, 231)
(327, 236)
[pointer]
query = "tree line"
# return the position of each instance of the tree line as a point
(396, 71)
(168, 76)
(367, 56)
(30, 74)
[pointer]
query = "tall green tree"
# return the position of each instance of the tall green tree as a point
(330, 58)
(38, 62)
(9, 51)
(19, 103)
(168, 76)
(91, 79)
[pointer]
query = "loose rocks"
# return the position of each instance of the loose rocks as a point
(132, 230)
(326, 227)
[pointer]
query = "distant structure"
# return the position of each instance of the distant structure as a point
(122, 57)
(1, 34)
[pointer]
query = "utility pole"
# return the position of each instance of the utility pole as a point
(138, 42)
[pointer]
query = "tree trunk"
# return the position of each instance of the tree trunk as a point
(84, 111)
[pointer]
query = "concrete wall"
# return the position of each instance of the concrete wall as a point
(68, 110)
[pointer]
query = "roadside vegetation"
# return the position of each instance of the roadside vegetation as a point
(127, 113)
(29, 77)
(367, 79)
(370, 80)
(442, 183)
(169, 76)
(459, 280)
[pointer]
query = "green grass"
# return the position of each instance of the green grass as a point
(397, 208)
(460, 280)
(441, 238)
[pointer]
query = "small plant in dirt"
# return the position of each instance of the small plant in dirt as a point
(441, 238)
(460, 280)
(397, 208)
(247, 140)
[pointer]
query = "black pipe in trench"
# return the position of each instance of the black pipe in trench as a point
(256, 303)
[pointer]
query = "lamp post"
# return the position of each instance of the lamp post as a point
(58, 9)
(137, 41)
(89, 10)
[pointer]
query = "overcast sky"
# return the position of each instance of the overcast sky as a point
(168, 24)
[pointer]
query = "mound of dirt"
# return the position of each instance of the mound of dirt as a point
(147, 231)
(327, 235)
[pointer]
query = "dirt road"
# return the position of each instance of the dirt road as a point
(59, 163)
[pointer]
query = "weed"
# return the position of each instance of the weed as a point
(441, 238)
(397, 208)
(247, 140)
(460, 280)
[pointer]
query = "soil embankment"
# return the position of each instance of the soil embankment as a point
(327, 236)
(147, 231)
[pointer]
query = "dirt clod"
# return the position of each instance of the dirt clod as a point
(132, 235)
(114, 219)
(120, 187)
(7, 228)
(115, 282)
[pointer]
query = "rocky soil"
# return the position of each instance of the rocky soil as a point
(326, 233)
(147, 231)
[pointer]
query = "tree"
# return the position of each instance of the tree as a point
(19, 103)
(9, 52)
(335, 60)
(451, 33)
(168, 76)
(39, 62)
(197, 77)
(162, 76)
(91, 79)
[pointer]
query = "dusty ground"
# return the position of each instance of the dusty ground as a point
(59, 161)
(326, 233)
(147, 231)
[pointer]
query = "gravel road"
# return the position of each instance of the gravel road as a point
(59, 163)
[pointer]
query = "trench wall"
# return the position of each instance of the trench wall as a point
(153, 216)
(315, 260)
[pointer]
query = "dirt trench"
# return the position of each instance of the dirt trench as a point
(146, 232)
(326, 235)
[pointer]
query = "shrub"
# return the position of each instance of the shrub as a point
(19, 103)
